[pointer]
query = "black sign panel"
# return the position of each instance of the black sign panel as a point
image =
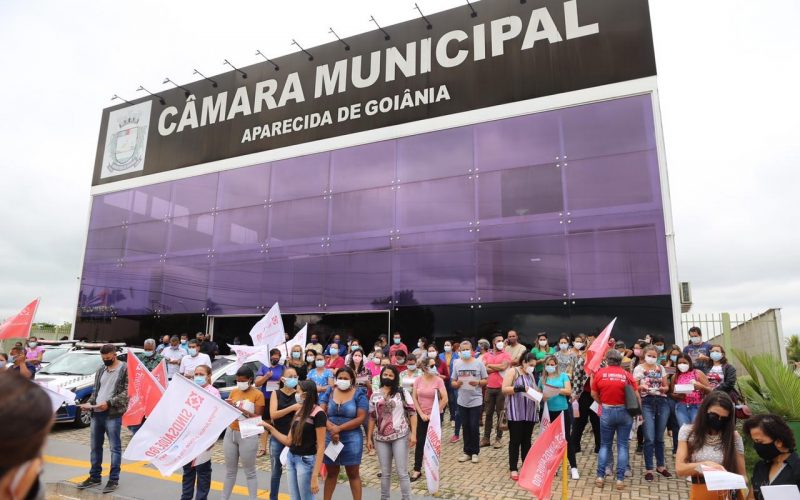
(509, 52)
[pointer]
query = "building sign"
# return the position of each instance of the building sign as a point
(509, 52)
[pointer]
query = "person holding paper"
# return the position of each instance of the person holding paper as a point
(520, 410)
(652, 380)
(174, 354)
(468, 378)
(411, 373)
(774, 442)
(710, 442)
(688, 387)
(198, 471)
(557, 390)
(582, 393)
(497, 362)
(346, 406)
(426, 387)
(282, 408)
(268, 379)
(697, 350)
(250, 401)
(722, 375)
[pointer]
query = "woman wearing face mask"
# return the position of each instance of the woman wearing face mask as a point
(411, 373)
(710, 441)
(541, 350)
(422, 347)
(426, 388)
(268, 379)
(400, 362)
(374, 363)
(3, 361)
(565, 356)
(311, 356)
(671, 367)
(320, 375)
(774, 442)
(722, 375)
(687, 403)
(638, 353)
(282, 408)
(558, 404)
(197, 473)
(25, 422)
(297, 362)
(582, 393)
(306, 442)
(363, 376)
(653, 387)
(441, 368)
(448, 357)
(250, 401)
(346, 406)
(520, 410)
(34, 353)
(335, 361)
(392, 429)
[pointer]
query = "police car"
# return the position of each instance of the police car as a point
(74, 371)
(54, 349)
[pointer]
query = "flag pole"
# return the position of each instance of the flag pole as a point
(564, 484)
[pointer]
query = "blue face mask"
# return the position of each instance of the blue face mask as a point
(550, 369)
(334, 351)
(296, 355)
(396, 341)
(320, 363)
(149, 354)
(192, 351)
(659, 348)
(465, 354)
(200, 379)
(716, 355)
(290, 382)
(673, 358)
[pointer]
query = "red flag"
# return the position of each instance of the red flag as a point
(160, 373)
(19, 325)
(598, 349)
(144, 392)
(543, 460)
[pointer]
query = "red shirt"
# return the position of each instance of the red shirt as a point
(495, 378)
(444, 371)
(610, 382)
(335, 363)
(395, 348)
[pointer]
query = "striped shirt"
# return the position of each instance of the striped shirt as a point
(520, 408)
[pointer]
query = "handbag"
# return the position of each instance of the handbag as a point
(502, 421)
(631, 401)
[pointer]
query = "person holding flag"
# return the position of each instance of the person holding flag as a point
(198, 471)
(149, 358)
(426, 388)
(520, 410)
(556, 388)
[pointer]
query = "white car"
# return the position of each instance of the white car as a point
(54, 349)
(221, 380)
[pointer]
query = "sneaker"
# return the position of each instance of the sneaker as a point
(599, 482)
(628, 473)
(88, 483)
(620, 485)
(649, 477)
(575, 474)
(463, 458)
(498, 443)
(454, 439)
(514, 475)
(110, 486)
(484, 443)
(475, 459)
(608, 470)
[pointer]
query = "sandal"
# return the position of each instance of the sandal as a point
(514, 475)
(414, 476)
(261, 452)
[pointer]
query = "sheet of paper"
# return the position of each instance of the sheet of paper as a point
(250, 427)
(595, 408)
(284, 455)
(273, 385)
(333, 449)
(684, 388)
(409, 399)
(533, 394)
(670, 370)
(362, 380)
(780, 492)
(550, 391)
(717, 480)
(465, 380)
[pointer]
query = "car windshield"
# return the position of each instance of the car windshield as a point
(220, 362)
(51, 354)
(226, 380)
(75, 363)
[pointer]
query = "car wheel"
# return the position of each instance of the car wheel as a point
(82, 418)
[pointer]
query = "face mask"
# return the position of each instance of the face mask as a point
(192, 351)
(242, 386)
(683, 367)
(412, 367)
(529, 370)
(767, 451)
(716, 422)
(108, 362)
(659, 348)
(448, 348)
(343, 385)
(354, 348)
(716, 355)
(149, 354)
(432, 370)
(184, 342)
(298, 398)
(420, 344)
(696, 340)
(313, 341)
(401, 361)
(579, 345)
(296, 355)
(310, 359)
(334, 351)
(396, 341)
(673, 358)
(500, 346)
(2, 364)
(550, 368)
(650, 360)
(543, 343)
(33, 344)
(174, 347)
(637, 353)
(386, 382)
(274, 361)
(200, 379)
(290, 382)
(465, 354)
(432, 354)
(319, 363)
(563, 347)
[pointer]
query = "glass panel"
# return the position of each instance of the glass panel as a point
(298, 220)
(240, 228)
(124, 289)
(235, 282)
(146, 239)
(613, 181)
(440, 274)
(518, 142)
(243, 187)
(195, 195)
(301, 177)
(192, 234)
(105, 244)
(432, 203)
(308, 282)
(445, 153)
(520, 192)
(277, 283)
(110, 210)
(185, 285)
(363, 167)
(150, 203)
(360, 280)
(363, 212)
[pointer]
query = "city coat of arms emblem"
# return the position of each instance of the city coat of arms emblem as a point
(126, 140)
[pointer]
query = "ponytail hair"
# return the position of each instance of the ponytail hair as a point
(309, 388)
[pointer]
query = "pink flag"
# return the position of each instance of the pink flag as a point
(598, 349)
(144, 392)
(19, 325)
(543, 460)
(160, 373)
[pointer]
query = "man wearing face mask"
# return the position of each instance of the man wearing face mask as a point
(173, 355)
(514, 348)
(148, 357)
(314, 344)
(268, 379)
(397, 347)
(25, 422)
(19, 364)
(698, 350)
(468, 377)
(109, 400)
(163, 344)
(497, 362)
(192, 360)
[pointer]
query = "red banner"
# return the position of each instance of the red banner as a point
(160, 374)
(144, 392)
(19, 325)
(543, 460)
(598, 349)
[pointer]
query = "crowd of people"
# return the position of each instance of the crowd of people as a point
(380, 402)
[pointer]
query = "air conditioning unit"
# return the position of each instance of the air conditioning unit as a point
(686, 296)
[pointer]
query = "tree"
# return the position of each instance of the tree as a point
(793, 348)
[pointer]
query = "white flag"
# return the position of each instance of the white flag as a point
(433, 447)
(545, 423)
(299, 339)
(184, 424)
(248, 354)
(269, 329)
(58, 395)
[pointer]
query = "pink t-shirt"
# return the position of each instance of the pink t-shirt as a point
(33, 352)
(426, 390)
(495, 380)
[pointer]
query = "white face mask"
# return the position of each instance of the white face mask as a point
(683, 367)
(529, 370)
(579, 345)
(543, 343)
(650, 360)
(420, 344)
(432, 354)
(411, 368)
(343, 385)
(696, 340)
(242, 386)
(500, 346)
(448, 348)
(563, 347)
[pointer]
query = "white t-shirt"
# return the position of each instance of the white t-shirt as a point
(171, 354)
(189, 363)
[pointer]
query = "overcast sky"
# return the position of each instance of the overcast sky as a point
(728, 78)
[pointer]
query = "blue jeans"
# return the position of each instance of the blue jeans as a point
(202, 473)
(614, 420)
(301, 467)
(685, 413)
(103, 426)
(275, 449)
(655, 413)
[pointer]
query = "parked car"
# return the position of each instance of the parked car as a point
(224, 382)
(74, 371)
(53, 349)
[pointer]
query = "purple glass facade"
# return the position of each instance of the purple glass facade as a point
(556, 204)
